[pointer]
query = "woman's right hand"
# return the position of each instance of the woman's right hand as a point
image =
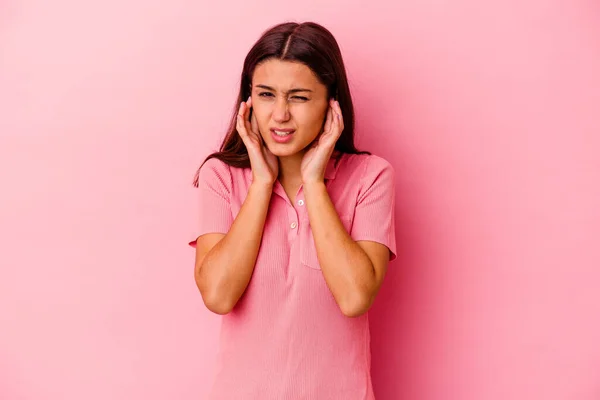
(265, 166)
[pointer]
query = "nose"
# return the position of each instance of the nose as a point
(281, 112)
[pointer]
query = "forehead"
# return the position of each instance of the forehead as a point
(285, 75)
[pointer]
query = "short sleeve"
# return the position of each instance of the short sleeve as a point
(374, 216)
(214, 185)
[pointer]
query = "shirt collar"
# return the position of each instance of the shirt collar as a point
(330, 169)
(332, 165)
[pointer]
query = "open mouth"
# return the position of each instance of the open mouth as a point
(282, 135)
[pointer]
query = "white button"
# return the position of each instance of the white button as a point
(300, 202)
(293, 225)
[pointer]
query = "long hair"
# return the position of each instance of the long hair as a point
(310, 44)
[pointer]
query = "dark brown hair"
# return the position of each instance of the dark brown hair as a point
(312, 45)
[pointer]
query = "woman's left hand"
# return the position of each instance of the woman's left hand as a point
(316, 158)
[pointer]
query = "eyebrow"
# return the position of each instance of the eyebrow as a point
(295, 90)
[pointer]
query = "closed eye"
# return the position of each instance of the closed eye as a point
(269, 94)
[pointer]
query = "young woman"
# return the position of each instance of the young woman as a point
(296, 228)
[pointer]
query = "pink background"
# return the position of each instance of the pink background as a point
(489, 111)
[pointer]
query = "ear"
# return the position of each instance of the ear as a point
(254, 123)
(328, 118)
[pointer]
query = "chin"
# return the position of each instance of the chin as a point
(283, 150)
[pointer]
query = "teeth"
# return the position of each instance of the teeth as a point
(279, 133)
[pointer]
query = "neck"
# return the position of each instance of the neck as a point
(289, 168)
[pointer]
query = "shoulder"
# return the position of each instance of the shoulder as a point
(214, 165)
(215, 172)
(367, 166)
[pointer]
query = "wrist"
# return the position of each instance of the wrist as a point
(261, 185)
(313, 186)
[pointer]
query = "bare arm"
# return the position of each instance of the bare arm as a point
(353, 270)
(224, 263)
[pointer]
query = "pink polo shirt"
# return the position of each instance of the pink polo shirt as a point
(286, 339)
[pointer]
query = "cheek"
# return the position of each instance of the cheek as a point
(312, 121)
(262, 116)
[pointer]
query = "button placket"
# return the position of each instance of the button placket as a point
(301, 209)
(293, 221)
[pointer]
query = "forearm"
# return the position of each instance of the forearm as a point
(347, 269)
(227, 268)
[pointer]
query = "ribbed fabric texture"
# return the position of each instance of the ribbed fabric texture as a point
(287, 339)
